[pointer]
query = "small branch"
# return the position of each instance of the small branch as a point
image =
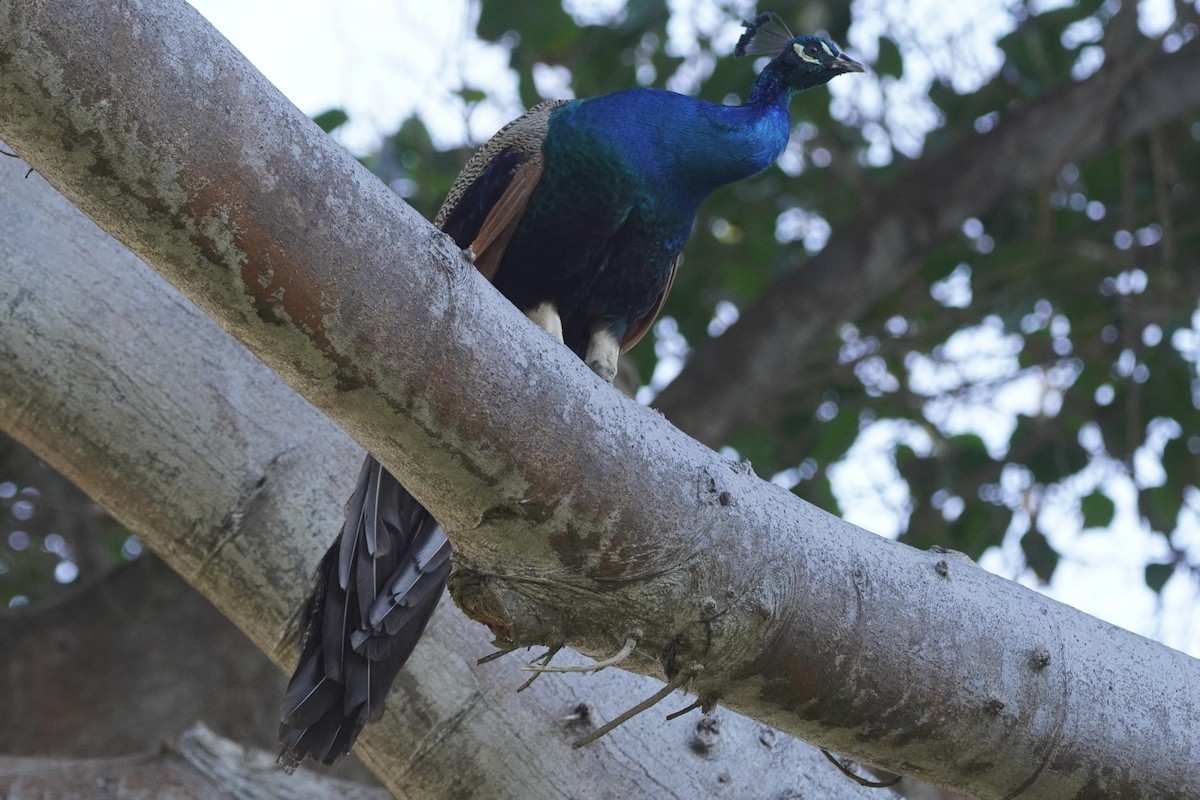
(4, 152)
(621, 655)
(490, 657)
(844, 768)
(545, 658)
(651, 701)
(684, 710)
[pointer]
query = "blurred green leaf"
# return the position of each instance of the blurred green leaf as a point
(890, 61)
(979, 527)
(1098, 510)
(1037, 445)
(1039, 555)
(1157, 576)
(966, 451)
(331, 120)
(1160, 507)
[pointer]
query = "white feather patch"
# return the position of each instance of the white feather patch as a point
(545, 316)
(603, 350)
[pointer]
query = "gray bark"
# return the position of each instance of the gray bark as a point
(577, 516)
(238, 483)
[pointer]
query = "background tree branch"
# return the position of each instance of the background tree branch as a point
(750, 372)
(577, 515)
(199, 765)
(86, 658)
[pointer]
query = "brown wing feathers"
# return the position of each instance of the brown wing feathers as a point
(639, 328)
(501, 222)
(483, 208)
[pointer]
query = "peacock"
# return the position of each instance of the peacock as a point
(577, 212)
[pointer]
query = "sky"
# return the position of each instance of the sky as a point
(383, 61)
(380, 61)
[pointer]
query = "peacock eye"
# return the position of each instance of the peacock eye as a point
(811, 50)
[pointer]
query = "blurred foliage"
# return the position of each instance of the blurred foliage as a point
(50, 532)
(329, 121)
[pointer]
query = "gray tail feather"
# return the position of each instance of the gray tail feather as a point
(375, 590)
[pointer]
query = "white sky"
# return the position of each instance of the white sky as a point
(381, 61)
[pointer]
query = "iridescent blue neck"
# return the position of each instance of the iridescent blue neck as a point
(678, 146)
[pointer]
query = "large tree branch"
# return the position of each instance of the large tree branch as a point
(238, 482)
(577, 516)
(750, 373)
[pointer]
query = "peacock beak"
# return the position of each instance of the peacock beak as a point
(844, 63)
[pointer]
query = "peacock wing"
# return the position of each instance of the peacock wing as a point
(484, 206)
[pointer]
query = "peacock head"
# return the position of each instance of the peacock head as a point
(799, 62)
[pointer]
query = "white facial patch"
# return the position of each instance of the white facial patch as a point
(827, 50)
(800, 52)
